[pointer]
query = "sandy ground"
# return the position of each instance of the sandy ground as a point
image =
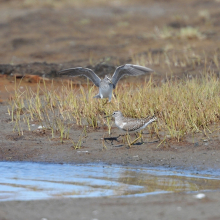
(42, 39)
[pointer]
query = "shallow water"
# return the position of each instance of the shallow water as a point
(31, 181)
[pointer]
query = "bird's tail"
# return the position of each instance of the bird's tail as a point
(150, 119)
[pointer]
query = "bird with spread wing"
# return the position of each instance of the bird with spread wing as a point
(107, 84)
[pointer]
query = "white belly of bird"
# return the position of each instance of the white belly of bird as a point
(105, 92)
(119, 124)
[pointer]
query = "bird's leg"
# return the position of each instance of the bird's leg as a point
(128, 141)
(105, 102)
(140, 136)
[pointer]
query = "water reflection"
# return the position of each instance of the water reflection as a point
(28, 181)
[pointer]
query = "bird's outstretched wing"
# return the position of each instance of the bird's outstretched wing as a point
(80, 71)
(129, 69)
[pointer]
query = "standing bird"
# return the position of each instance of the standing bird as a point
(107, 84)
(131, 124)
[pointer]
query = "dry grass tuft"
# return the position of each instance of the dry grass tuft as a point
(191, 33)
(184, 32)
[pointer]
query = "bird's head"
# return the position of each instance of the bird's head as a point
(115, 114)
(108, 79)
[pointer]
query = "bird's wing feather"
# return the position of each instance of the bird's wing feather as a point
(129, 69)
(79, 71)
(133, 124)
